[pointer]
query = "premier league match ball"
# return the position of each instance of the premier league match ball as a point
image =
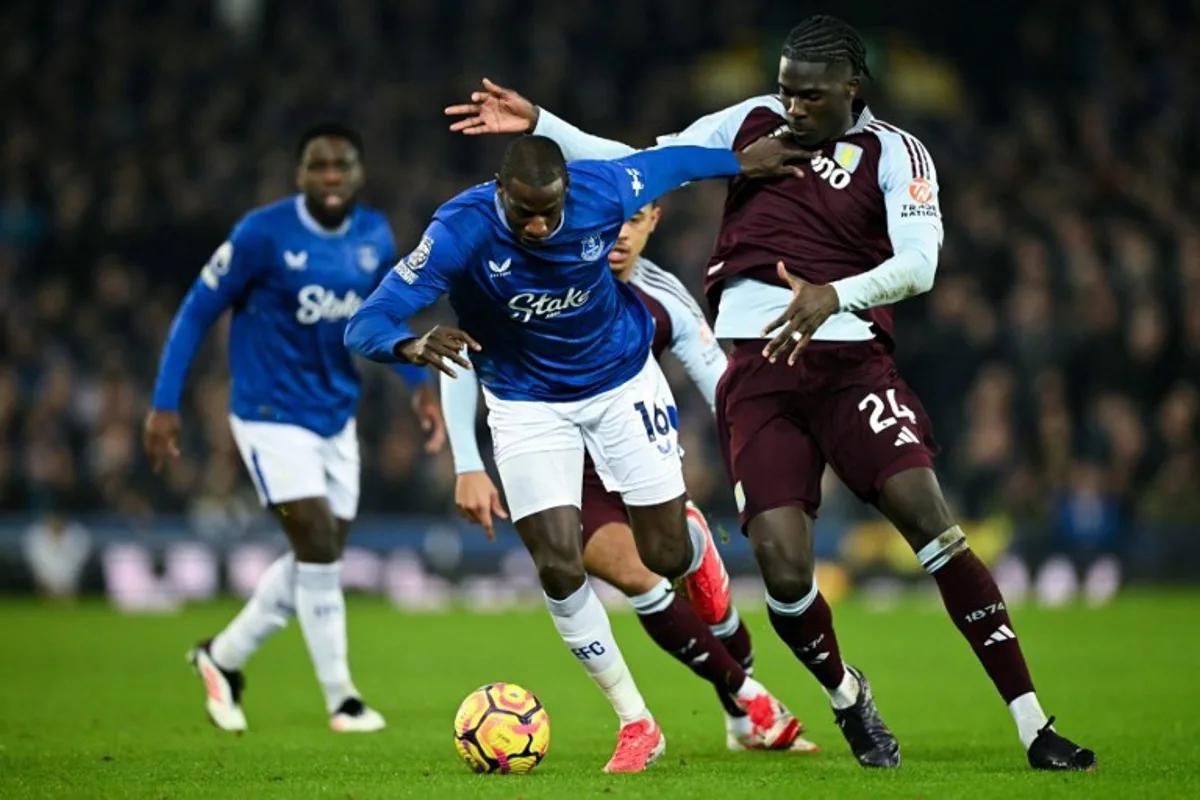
(501, 728)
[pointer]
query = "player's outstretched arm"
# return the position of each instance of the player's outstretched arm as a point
(497, 109)
(222, 281)
(475, 494)
(649, 174)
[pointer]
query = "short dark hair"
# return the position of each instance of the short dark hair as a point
(334, 129)
(536, 161)
(822, 39)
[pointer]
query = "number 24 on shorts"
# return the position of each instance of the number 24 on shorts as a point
(877, 420)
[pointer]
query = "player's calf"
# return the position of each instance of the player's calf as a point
(754, 719)
(676, 628)
(552, 538)
(317, 538)
(782, 542)
(913, 502)
(265, 614)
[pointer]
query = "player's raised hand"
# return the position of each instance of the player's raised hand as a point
(811, 305)
(493, 110)
(478, 501)
(428, 409)
(160, 438)
(773, 157)
(438, 346)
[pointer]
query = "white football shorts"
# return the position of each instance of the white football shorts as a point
(287, 462)
(631, 432)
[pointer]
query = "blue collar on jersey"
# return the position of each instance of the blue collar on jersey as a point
(307, 220)
(504, 218)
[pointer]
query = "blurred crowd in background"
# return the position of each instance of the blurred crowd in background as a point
(1058, 354)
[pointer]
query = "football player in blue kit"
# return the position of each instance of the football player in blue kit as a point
(293, 272)
(562, 351)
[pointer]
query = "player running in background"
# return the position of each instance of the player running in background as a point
(802, 279)
(609, 550)
(563, 353)
(293, 272)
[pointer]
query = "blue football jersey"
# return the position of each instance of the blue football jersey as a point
(292, 285)
(553, 323)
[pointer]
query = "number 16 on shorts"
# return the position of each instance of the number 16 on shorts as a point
(660, 421)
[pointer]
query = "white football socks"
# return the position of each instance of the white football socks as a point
(321, 609)
(750, 689)
(1027, 713)
(265, 613)
(846, 693)
(583, 624)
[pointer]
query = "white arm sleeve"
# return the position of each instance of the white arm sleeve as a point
(692, 341)
(716, 130)
(697, 349)
(909, 184)
(575, 143)
(460, 401)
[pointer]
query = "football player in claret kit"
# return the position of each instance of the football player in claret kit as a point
(706, 635)
(802, 280)
(293, 273)
(563, 353)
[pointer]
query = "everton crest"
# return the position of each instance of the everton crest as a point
(368, 258)
(593, 247)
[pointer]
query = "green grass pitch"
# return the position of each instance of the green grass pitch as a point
(100, 705)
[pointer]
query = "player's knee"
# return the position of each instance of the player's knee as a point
(787, 573)
(663, 540)
(320, 546)
(782, 544)
(313, 533)
(668, 556)
(788, 585)
(561, 574)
